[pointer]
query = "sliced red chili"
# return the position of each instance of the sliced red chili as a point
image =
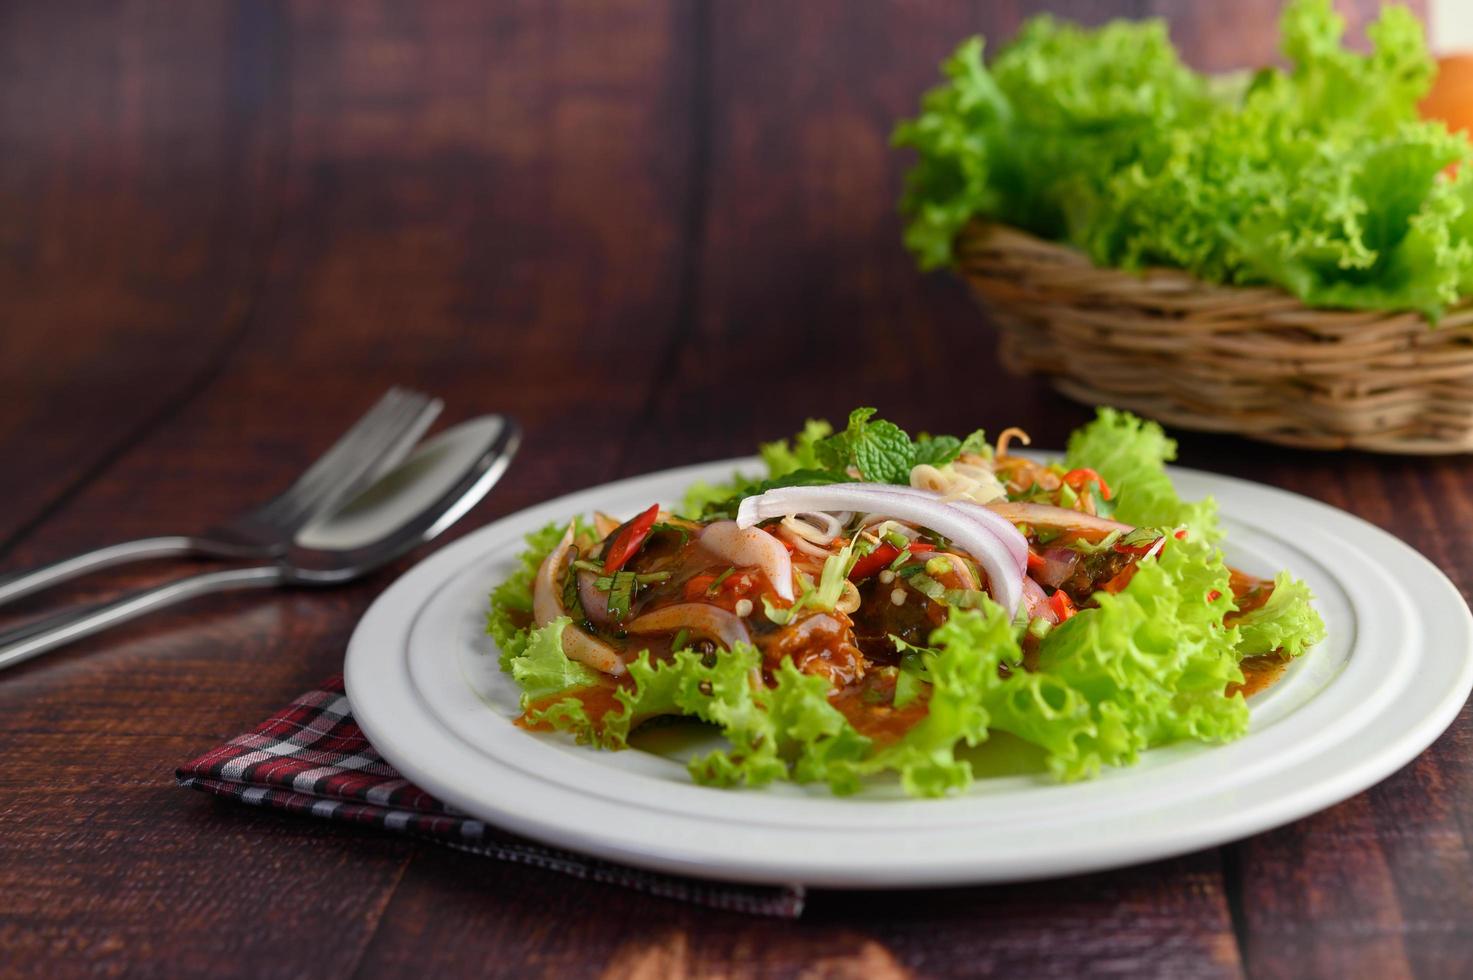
(1082, 477)
(628, 538)
(883, 556)
(695, 588)
(873, 562)
(1035, 562)
(1062, 605)
(1121, 579)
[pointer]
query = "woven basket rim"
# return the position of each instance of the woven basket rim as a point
(1254, 360)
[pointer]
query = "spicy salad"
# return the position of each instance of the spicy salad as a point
(877, 603)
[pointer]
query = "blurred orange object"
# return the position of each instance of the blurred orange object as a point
(1451, 98)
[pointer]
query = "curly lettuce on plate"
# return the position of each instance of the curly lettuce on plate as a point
(1147, 663)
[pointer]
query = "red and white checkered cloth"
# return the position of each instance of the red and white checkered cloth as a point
(311, 757)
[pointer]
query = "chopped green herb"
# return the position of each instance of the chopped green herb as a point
(940, 565)
(897, 540)
(1103, 507)
(588, 566)
(1034, 493)
(1139, 538)
(907, 688)
(835, 574)
(715, 585)
(681, 639)
(621, 593)
(672, 529)
(779, 616)
(571, 601)
(928, 586)
(913, 676)
(1106, 543)
(964, 598)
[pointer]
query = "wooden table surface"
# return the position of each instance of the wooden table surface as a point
(656, 233)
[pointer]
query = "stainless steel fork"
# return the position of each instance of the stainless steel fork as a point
(378, 441)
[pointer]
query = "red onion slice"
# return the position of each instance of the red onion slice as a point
(746, 546)
(1058, 565)
(966, 530)
(1086, 526)
(547, 605)
(1037, 602)
(1000, 526)
(701, 618)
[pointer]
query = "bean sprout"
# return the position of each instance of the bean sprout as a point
(887, 526)
(813, 534)
(959, 481)
(1008, 434)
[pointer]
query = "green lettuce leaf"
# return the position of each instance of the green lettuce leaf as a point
(1131, 454)
(1285, 622)
(1143, 668)
(1320, 178)
(962, 666)
(510, 617)
(542, 669)
(1148, 667)
(1150, 663)
(801, 453)
(788, 731)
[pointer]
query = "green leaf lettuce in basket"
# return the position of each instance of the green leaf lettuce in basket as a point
(1320, 179)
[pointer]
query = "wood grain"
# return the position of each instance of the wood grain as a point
(655, 232)
(137, 175)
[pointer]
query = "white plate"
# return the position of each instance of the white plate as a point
(1398, 664)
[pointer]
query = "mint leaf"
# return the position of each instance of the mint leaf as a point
(883, 452)
(935, 450)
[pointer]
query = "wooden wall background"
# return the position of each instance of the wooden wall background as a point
(656, 232)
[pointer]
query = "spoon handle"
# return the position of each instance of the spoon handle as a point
(29, 641)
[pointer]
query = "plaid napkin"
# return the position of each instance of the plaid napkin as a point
(311, 757)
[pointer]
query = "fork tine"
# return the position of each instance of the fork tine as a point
(381, 412)
(348, 462)
(349, 444)
(391, 444)
(308, 497)
(378, 441)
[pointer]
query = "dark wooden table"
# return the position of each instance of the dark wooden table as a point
(656, 232)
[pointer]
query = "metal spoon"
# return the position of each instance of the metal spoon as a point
(408, 506)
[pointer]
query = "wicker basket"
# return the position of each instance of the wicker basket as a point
(1253, 361)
